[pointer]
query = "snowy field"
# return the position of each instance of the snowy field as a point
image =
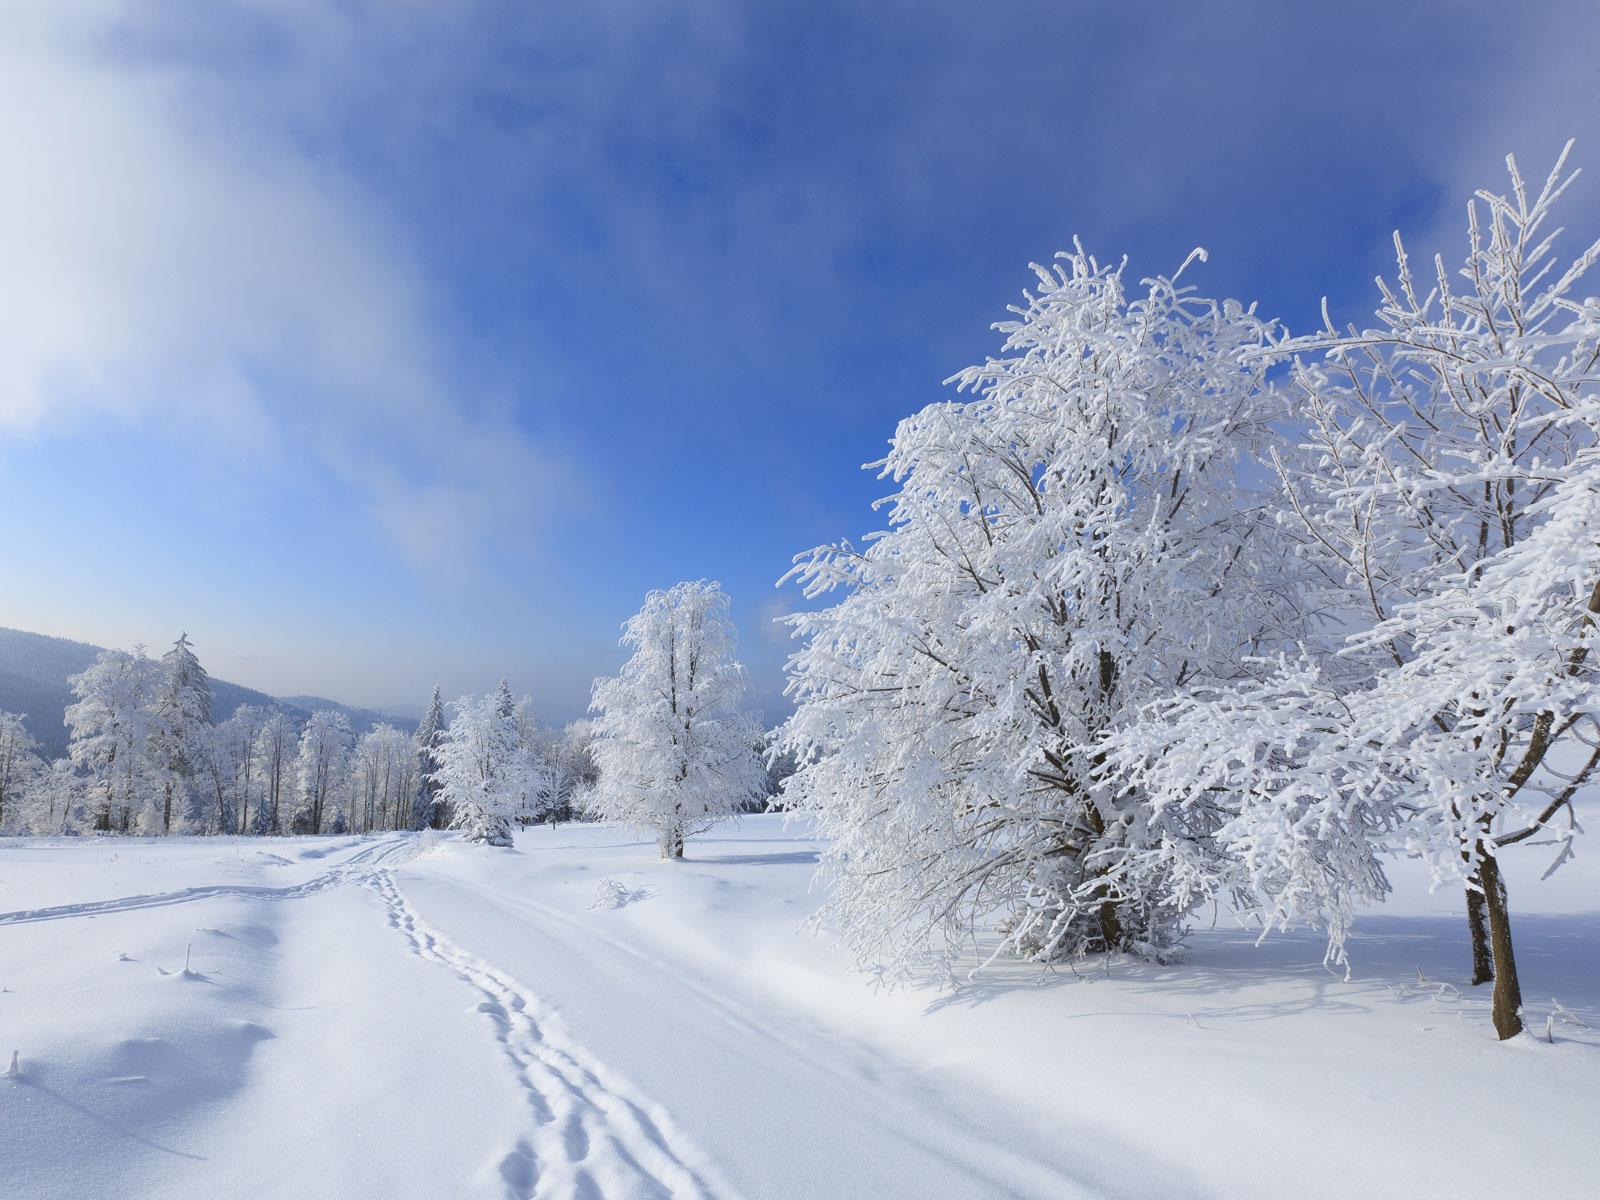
(410, 1016)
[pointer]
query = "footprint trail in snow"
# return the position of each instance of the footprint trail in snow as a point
(591, 1139)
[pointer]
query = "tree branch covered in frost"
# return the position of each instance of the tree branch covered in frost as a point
(1446, 503)
(674, 748)
(1069, 544)
(485, 767)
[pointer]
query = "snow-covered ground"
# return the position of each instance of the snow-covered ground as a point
(408, 1016)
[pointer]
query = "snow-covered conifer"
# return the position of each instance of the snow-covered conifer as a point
(427, 812)
(480, 766)
(183, 712)
(672, 743)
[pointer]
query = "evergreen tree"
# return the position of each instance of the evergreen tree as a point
(427, 811)
(482, 768)
(184, 715)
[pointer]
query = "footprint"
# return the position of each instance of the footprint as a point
(576, 1139)
(520, 1172)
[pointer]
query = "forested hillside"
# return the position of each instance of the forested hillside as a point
(34, 670)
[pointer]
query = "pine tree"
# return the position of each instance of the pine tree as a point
(427, 811)
(482, 768)
(184, 714)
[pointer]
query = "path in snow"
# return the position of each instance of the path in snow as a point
(591, 1136)
(784, 1105)
(348, 870)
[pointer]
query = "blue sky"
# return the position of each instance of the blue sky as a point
(379, 344)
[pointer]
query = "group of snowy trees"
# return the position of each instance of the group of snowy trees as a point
(1176, 608)
(145, 756)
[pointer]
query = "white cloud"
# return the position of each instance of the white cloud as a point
(172, 265)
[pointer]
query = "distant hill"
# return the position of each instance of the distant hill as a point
(411, 713)
(361, 719)
(34, 670)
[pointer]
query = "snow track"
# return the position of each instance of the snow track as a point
(352, 869)
(592, 1136)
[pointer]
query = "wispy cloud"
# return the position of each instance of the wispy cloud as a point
(169, 262)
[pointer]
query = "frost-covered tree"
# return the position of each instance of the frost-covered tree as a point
(1447, 499)
(183, 712)
(225, 769)
(385, 779)
(54, 800)
(272, 771)
(323, 773)
(481, 767)
(567, 770)
(113, 728)
(533, 802)
(1068, 544)
(427, 812)
(20, 768)
(672, 743)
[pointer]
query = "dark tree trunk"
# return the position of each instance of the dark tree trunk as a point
(1507, 1010)
(1478, 926)
(1110, 925)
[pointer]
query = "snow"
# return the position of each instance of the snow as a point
(410, 1015)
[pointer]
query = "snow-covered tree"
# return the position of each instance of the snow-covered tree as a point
(385, 762)
(54, 800)
(1072, 542)
(272, 772)
(113, 728)
(323, 773)
(532, 770)
(427, 811)
(225, 769)
(1448, 500)
(183, 711)
(481, 767)
(567, 770)
(20, 768)
(674, 748)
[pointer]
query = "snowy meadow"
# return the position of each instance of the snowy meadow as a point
(1183, 795)
(409, 1015)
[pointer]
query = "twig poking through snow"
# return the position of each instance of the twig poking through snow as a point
(610, 895)
(1566, 1014)
(14, 1071)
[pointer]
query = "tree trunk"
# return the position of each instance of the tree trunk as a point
(1110, 925)
(1478, 926)
(1507, 1010)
